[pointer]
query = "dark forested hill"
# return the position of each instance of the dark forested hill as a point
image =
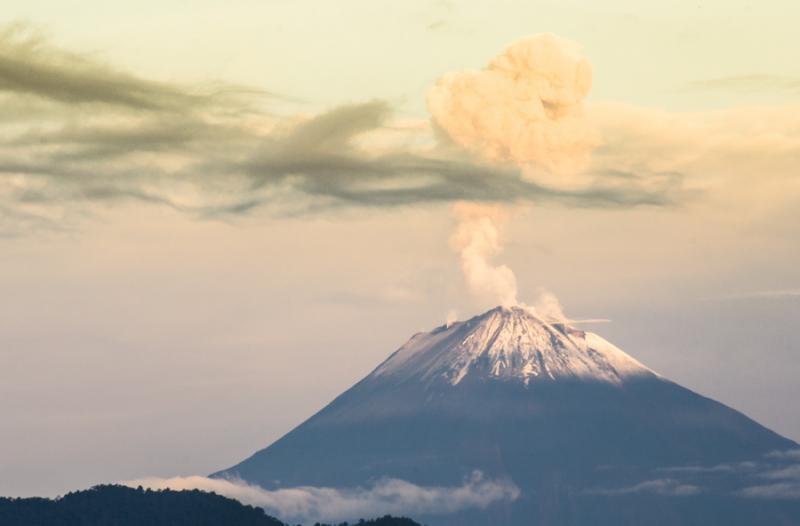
(122, 506)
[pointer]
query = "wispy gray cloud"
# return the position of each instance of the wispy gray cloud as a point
(30, 65)
(86, 133)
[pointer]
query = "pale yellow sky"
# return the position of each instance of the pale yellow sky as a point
(327, 53)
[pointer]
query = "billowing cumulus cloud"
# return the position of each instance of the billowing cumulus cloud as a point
(309, 504)
(525, 107)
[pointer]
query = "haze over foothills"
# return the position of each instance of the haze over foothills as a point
(213, 222)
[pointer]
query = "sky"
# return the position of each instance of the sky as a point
(216, 218)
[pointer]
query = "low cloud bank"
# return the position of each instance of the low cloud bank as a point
(776, 475)
(664, 487)
(779, 490)
(780, 481)
(309, 504)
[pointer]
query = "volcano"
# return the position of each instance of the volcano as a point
(588, 434)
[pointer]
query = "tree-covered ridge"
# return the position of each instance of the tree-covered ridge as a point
(111, 505)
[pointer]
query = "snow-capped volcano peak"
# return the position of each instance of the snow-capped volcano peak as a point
(538, 404)
(511, 344)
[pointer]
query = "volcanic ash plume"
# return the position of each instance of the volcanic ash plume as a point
(525, 107)
(477, 239)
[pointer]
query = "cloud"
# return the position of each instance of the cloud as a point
(321, 157)
(390, 496)
(525, 107)
(211, 167)
(739, 157)
(749, 83)
(776, 475)
(762, 294)
(783, 475)
(722, 149)
(30, 65)
(791, 454)
(780, 490)
(77, 134)
(789, 472)
(664, 487)
(735, 467)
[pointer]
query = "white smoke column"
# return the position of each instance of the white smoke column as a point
(548, 307)
(525, 107)
(477, 239)
(452, 317)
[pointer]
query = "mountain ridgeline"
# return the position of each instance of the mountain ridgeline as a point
(588, 435)
(112, 505)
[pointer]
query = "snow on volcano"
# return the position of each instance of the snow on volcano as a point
(510, 344)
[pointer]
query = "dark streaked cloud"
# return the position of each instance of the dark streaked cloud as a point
(77, 132)
(321, 155)
(213, 169)
(31, 66)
